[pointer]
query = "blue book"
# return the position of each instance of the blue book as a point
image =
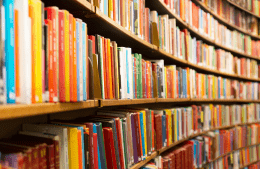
(84, 56)
(164, 141)
(179, 84)
(9, 50)
(101, 145)
(78, 53)
(142, 131)
(106, 7)
(127, 75)
(99, 160)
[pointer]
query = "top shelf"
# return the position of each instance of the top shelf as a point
(234, 4)
(224, 21)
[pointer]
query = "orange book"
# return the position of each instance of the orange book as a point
(104, 42)
(80, 149)
(71, 58)
(220, 116)
(74, 65)
(16, 46)
(167, 130)
(31, 10)
(109, 60)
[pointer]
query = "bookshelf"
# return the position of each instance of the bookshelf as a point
(92, 15)
(234, 4)
(223, 20)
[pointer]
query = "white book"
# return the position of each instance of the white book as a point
(25, 58)
(57, 130)
(80, 66)
(122, 68)
(160, 63)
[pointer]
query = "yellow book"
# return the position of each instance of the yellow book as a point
(145, 135)
(110, 8)
(165, 77)
(73, 147)
(109, 69)
(67, 64)
(175, 124)
(37, 50)
(168, 113)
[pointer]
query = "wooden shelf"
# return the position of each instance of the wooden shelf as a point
(224, 21)
(23, 110)
(104, 103)
(142, 163)
(249, 164)
(223, 155)
(234, 4)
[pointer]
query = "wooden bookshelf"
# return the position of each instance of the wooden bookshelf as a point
(142, 163)
(224, 21)
(161, 8)
(23, 110)
(223, 155)
(243, 9)
(242, 167)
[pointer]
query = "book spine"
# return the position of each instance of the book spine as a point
(84, 53)
(9, 50)
(62, 93)
(71, 56)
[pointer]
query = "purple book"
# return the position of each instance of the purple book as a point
(12, 160)
(134, 139)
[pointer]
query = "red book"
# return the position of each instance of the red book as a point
(61, 57)
(80, 149)
(148, 84)
(120, 141)
(50, 60)
(152, 116)
(91, 37)
(109, 148)
(95, 151)
(52, 14)
(91, 146)
(158, 131)
(138, 134)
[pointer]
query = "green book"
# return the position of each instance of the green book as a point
(136, 55)
(123, 122)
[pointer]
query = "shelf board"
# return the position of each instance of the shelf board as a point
(234, 4)
(142, 163)
(224, 21)
(23, 110)
(249, 164)
(104, 103)
(161, 100)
